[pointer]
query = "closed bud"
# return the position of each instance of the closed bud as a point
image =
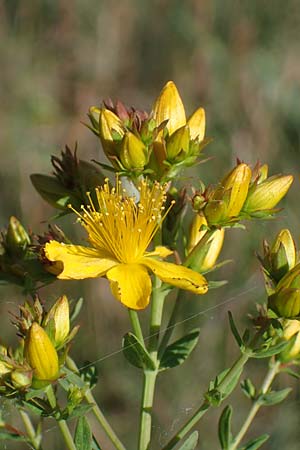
(266, 195)
(169, 106)
(179, 142)
(59, 315)
(133, 152)
(196, 231)
(110, 127)
(205, 254)
(196, 125)
(16, 238)
(282, 255)
(41, 354)
(215, 211)
(285, 302)
(237, 183)
(291, 332)
(94, 115)
(21, 378)
(5, 367)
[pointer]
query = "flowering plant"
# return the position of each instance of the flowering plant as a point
(138, 239)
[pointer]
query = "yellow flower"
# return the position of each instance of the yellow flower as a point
(120, 229)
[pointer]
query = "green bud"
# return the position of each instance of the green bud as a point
(133, 152)
(205, 254)
(282, 255)
(215, 211)
(110, 126)
(60, 316)
(16, 238)
(41, 354)
(21, 378)
(285, 302)
(266, 195)
(178, 143)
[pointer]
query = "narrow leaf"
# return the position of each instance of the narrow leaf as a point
(274, 397)
(83, 435)
(234, 330)
(176, 353)
(135, 352)
(191, 442)
(274, 350)
(254, 444)
(225, 436)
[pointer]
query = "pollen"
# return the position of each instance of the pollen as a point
(122, 225)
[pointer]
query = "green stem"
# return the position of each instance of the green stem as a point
(170, 327)
(34, 439)
(136, 326)
(61, 423)
(66, 434)
(146, 409)
(232, 373)
(269, 378)
(97, 412)
(157, 303)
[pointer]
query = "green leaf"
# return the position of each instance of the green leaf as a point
(215, 396)
(76, 309)
(83, 435)
(176, 353)
(78, 411)
(248, 388)
(234, 330)
(225, 436)
(254, 444)
(191, 442)
(274, 397)
(216, 284)
(135, 352)
(291, 372)
(266, 353)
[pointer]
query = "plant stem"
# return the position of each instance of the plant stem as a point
(61, 423)
(146, 409)
(269, 378)
(66, 434)
(97, 412)
(136, 326)
(157, 303)
(34, 439)
(232, 373)
(170, 327)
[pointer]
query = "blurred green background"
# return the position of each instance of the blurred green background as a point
(237, 59)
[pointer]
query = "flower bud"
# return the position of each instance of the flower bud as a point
(169, 106)
(285, 302)
(205, 254)
(59, 315)
(291, 332)
(16, 236)
(291, 279)
(94, 115)
(133, 153)
(21, 378)
(282, 255)
(5, 367)
(266, 195)
(215, 211)
(109, 124)
(196, 234)
(196, 125)
(178, 142)
(41, 354)
(237, 183)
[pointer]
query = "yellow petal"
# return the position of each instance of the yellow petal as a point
(131, 284)
(78, 262)
(196, 124)
(161, 251)
(177, 275)
(169, 106)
